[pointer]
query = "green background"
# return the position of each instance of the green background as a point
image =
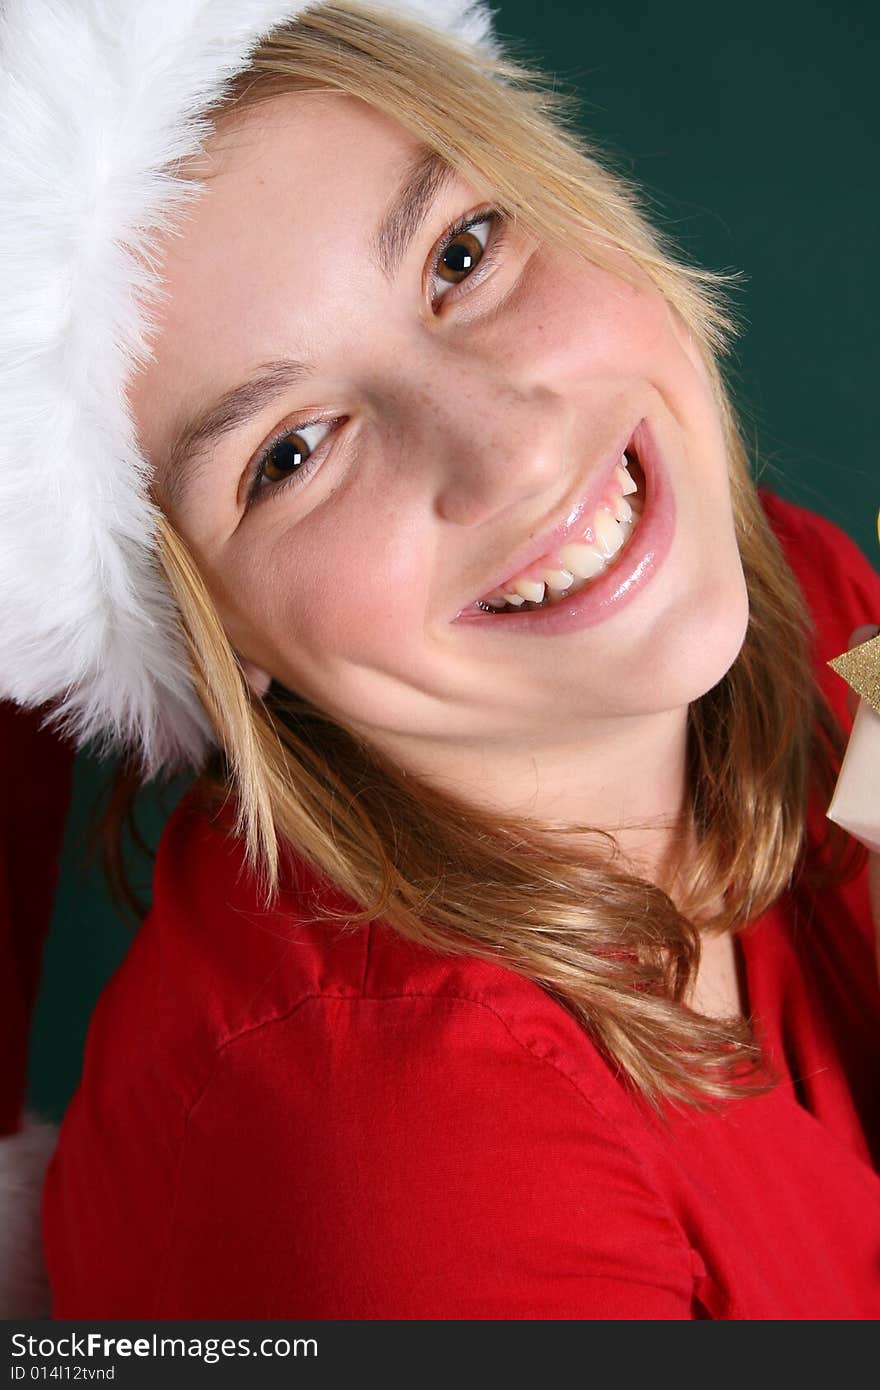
(752, 128)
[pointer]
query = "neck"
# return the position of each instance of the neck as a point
(623, 775)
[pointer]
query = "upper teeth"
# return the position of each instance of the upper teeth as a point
(622, 476)
(610, 525)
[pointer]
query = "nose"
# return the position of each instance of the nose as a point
(491, 438)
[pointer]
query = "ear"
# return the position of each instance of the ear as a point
(258, 679)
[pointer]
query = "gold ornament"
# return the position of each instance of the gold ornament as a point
(860, 668)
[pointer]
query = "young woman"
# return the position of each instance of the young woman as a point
(501, 963)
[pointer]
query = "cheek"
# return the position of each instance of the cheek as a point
(588, 325)
(345, 595)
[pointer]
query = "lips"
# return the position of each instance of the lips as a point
(574, 519)
(639, 562)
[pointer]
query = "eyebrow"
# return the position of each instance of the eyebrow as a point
(424, 177)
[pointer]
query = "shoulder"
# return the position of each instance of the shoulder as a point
(433, 1134)
(210, 975)
(444, 1164)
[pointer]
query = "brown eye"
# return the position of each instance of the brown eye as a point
(465, 249)
(289, 458)
(460, 256)
(285, 457)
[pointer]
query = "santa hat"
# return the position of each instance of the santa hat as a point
(99, 100)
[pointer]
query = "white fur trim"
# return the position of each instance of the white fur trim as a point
(98, 99)
(24, 1288)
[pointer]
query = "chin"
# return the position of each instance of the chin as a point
(696, 644)
(711, 645)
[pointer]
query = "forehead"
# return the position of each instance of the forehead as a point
(273, 251)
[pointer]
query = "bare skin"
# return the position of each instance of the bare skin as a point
(469, 415)
(718, 989)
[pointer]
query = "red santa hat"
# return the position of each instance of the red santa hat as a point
(99, 100)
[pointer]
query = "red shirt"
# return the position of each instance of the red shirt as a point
(280, 1120)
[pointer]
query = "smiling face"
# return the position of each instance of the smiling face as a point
(452, 414)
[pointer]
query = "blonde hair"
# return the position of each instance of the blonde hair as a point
(611, 948)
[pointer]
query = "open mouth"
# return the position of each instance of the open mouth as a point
(584, 557)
